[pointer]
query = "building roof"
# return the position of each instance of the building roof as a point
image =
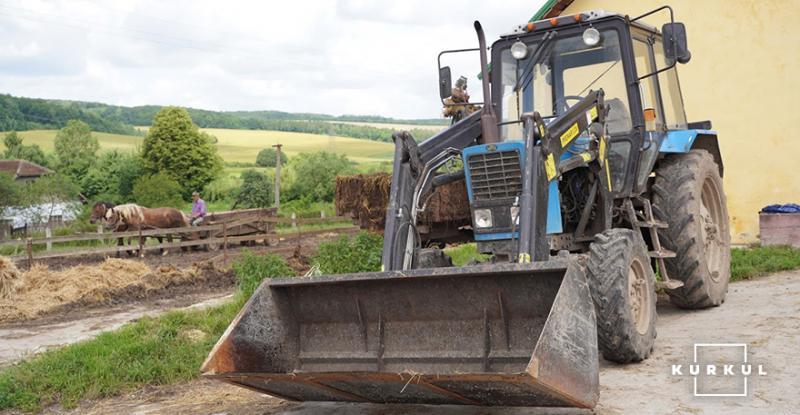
(22, 169)
(551, 8)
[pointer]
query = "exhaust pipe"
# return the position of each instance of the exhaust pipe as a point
(488, 117)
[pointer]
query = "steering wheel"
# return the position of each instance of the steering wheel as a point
(570, 97)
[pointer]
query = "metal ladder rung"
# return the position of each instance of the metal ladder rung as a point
(652, 224)
(669, 285)
(663, 253)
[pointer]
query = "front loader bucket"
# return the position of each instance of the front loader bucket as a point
(506, 335)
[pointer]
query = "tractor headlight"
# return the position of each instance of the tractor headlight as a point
(519, 50)
(483, 218)
(591, 36)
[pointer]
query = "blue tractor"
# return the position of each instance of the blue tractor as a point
(583, 176)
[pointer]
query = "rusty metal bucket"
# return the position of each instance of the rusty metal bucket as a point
(505, 335)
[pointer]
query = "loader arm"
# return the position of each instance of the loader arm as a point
(545, 146)
(409, 162)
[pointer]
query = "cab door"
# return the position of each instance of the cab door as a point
(651, 109)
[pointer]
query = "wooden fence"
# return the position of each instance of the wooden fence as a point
(189, 237)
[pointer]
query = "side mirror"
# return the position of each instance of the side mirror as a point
(675, 47)
(445, 83)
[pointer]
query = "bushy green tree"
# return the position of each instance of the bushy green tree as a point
(157, 190)
(256, 190)
(76, 150)
(16, 149)
(313, 175)
(10, 191)
(129, 169)
(112, 177)
(268, 157)
(173, 145)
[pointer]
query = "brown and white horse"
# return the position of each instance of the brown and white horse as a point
(132, 217)
(98, 215)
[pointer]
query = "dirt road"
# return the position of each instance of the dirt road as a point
(762, 313)
(22, 340)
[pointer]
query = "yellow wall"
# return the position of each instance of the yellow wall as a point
(744, 76)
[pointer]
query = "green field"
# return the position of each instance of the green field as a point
(243, 145)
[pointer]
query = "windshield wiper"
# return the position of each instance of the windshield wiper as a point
(542, 51)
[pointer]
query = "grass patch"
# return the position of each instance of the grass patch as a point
(359, 253)
(151, 351)
(465, 253)
(762, 260)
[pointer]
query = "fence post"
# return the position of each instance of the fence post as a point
(294, 220)
(322, 214)
(141, 244)
(225, 241)
(48, 233)
(278, 176)
(29, 248)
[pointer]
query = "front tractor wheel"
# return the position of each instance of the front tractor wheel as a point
(688, 196)
(622, 285)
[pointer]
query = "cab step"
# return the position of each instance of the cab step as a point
(653, 223)
(669, 285)
(663, 253)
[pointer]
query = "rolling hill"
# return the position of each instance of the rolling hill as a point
(22, 114)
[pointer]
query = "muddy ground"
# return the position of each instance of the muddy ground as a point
(762, 313)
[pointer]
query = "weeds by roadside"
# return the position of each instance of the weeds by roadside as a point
(757, 261)
(465, 253)
(360, 253)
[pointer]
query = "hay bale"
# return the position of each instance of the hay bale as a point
(448, 203)
(10, 278)
(365, 197)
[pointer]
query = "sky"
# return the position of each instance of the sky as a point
(323, 56)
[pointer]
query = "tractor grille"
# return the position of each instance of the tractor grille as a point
(495, 175)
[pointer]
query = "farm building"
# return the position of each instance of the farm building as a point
(743, 77)
(23, 170)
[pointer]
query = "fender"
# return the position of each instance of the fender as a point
(681, 141)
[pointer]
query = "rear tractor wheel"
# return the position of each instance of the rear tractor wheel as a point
(688, 196)
(622, 285)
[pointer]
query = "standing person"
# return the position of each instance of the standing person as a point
(198, 210)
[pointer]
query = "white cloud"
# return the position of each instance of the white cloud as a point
(346, 56)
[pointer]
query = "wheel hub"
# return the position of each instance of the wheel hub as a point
(639, 297)
(710, 219)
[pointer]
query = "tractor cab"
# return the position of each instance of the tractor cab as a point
(547, 67)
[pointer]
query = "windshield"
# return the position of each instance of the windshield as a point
(564, 76)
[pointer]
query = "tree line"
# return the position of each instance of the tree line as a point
(21, 114)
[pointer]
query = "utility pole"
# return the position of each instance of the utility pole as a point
(278, 175)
